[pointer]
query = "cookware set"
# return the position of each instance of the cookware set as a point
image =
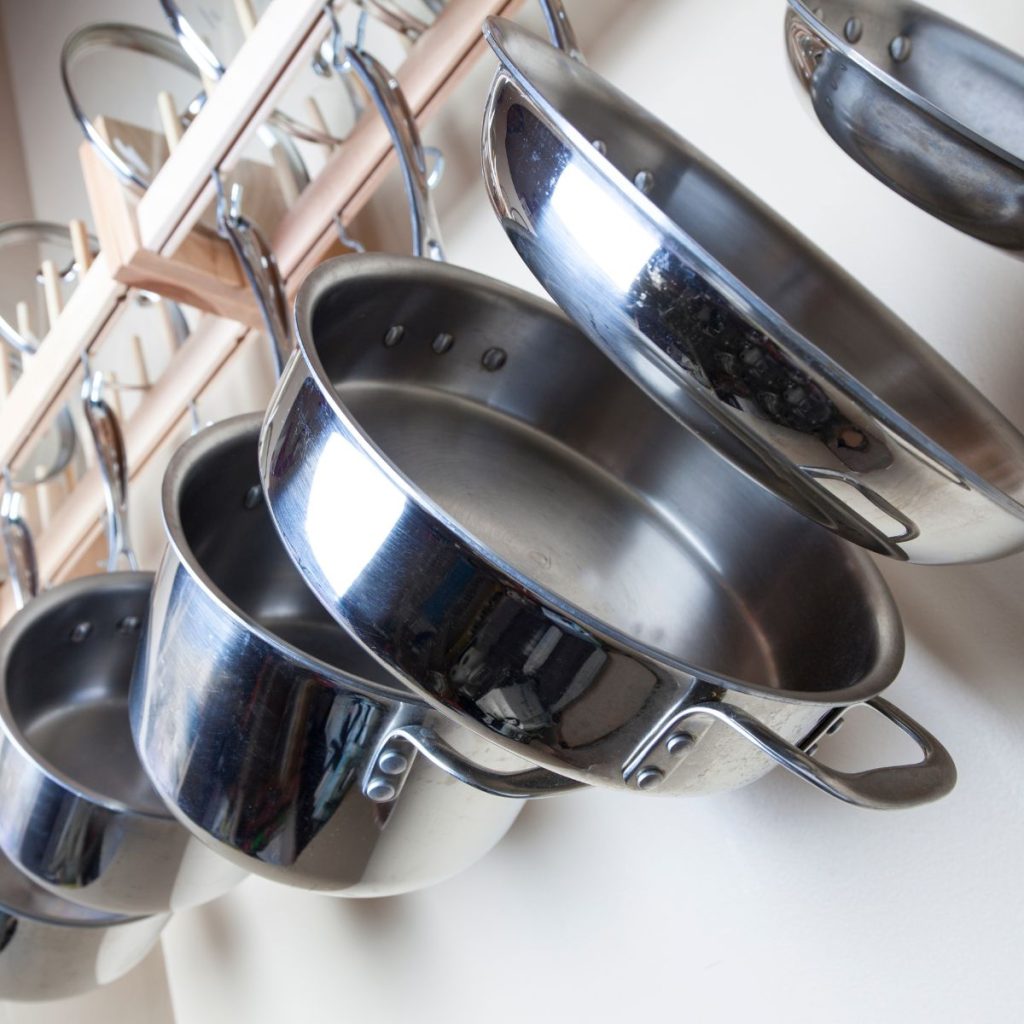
(481, 548)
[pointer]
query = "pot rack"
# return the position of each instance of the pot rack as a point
(154, 242)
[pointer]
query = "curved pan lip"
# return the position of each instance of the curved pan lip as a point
(9, 730)
(803, 10)
(498, 30)
(178, 470)
(342, 267)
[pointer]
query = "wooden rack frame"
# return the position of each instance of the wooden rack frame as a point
(153, 243)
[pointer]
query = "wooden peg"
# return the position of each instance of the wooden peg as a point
(23, 321)
(6, 372)
(169, 119)
(140, 375)
(246, 16)
(51, 290)
(80, 246)
(283, 174)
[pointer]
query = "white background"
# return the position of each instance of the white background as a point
(773, 903)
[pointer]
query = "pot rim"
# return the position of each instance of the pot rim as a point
(181, 466)
(331, 273)
(10, 732)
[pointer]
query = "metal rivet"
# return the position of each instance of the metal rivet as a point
(494, 359)
(644, 181)
(853, 30)
(393, 763)
(835, 727)
(81, 632)
(442, 343)
(600, 145)
(679, 743)
(381, 791)
(129, 624)
(811, 750)
(649, 778)
(253, 496)
(393, 335)
(899, 48)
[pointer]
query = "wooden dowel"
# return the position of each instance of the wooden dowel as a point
(246, 16)
(80, 246)
(140, 374)
(6, 372)
(23, 321)
(169, 119)
(51, 290)
(283, 174)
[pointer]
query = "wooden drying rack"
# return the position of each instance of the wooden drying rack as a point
(154, 242)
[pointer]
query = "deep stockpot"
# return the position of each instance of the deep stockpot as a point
(51, 948)
(271, 734)
(77, 812)
(522, 536)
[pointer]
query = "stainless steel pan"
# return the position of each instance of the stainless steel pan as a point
(51, 948)
(930, 108)
(77, 813)
(737, 325)
(271, 734)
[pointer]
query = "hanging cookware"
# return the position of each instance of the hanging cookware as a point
(134, 167)
(51, 948)
(737, 325)
(930, 108)
(519, 535)
(77, 813)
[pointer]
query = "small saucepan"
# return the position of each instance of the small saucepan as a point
(77, 813)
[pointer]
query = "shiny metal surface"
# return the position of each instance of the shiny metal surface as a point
(51, 948)
(19, 548)
(930, 108)
(521, 536)
(77, 813)
(737, 325)
(274, 737)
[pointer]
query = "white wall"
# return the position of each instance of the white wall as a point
(772, 903)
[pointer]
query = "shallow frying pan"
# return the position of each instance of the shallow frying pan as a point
(737, 325)
(930, 108)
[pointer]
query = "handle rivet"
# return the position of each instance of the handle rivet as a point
(380, 791)
(129, 624)
(649, 778)
(494, 359)
(811, 750)
(442, 343)
(253, 496)
(393, 763)
(81, 632)
(679, 743)
(644, 181)
(393, 335)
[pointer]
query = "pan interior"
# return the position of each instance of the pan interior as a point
(67, 679)
(567, 472)
(229, 531)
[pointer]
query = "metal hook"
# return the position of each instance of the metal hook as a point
(19, 549)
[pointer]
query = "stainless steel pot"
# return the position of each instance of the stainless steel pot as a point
(737, 325)
(520, 535)
(77, 813)
(271, 734)
(930, 108)
(51, 948)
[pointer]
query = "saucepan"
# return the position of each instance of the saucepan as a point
(77, 813)
(738, 326)
(523, 538)
(929, 107)
(51, 948)
(267, 729)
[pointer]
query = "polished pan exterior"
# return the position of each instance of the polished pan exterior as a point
(274, 737)
(930, 108)
(77, 813)
(737, 325)
(633, 598)
(53, 949)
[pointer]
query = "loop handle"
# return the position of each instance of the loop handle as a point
(560, 29)
(113, 466)
(890, 788)
(530, 784)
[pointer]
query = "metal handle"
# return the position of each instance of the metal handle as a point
(22, 566)
(889, 788)
(560, 29)
(910, 528)
(387, 96)
(523, 785)
(259, 266)
(113, 467)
